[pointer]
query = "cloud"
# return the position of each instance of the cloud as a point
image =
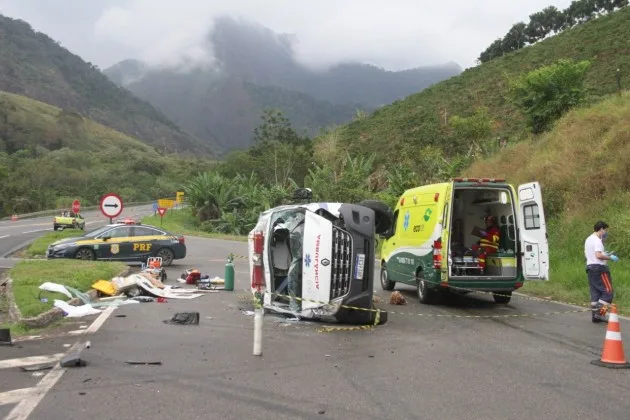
(394, 34)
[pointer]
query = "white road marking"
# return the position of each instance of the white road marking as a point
(36, 230)
(29, 402)
(14, 396)
(4, 236)
(27, 361)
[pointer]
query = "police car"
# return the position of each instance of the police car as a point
(123, 242)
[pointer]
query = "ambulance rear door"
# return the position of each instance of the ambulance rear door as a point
(534, 247)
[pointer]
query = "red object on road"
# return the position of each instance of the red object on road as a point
(76, 206)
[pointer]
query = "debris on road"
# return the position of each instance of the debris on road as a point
(56, 288)
(133, 362)
(36, 368)
(183, 318)
(396, 298)
(5, 337)
(72, 360)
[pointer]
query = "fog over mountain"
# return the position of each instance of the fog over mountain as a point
(249, 67)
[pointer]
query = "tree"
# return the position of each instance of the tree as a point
(515, 39)
(547, 93)
(279, 153)
(493, 51)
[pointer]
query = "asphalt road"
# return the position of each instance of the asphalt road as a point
(433, 365)
(16, 234)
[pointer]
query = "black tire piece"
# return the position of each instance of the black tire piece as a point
(167, 256)
(386, 284)
(383, 213)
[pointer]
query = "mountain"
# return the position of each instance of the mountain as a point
(49, 156)
(256, 68)
(34, 65)
(417, 126)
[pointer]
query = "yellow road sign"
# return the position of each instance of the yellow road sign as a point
(166, 203)
(180, 197)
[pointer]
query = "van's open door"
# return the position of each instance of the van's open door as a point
(532, 232)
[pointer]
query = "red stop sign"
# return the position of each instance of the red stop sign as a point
(76, 206)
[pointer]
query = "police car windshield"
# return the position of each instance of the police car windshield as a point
(97, 231)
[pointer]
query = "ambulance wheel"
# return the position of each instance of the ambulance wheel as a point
(502, 297)
(166, 255)
(386, 284)
(426, 295)
(383, 214)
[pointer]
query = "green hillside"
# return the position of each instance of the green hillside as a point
(49, 156)
(34, 65)
(402, 131)
(583, 166)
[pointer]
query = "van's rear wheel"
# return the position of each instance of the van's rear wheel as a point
(386, 283)
(426, 295)
(502, 297)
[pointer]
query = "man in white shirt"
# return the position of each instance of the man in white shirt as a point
(599, 278)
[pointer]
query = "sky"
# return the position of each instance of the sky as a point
(393, 34)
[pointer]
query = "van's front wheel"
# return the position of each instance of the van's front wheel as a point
(386, 283)
(425, 294)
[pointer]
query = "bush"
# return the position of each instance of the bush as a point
(547, 93)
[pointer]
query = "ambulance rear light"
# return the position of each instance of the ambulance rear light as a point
(437, 254)
(257, 259)
(181, 239)
(479, 180)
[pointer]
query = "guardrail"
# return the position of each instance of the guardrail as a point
(55, 211)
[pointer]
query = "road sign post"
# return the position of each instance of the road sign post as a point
(155, 207)
(161, 211)
(76, 207)
(111, 205)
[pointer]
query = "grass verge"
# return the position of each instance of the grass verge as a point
(29, 275)
(39, 246)
(183, 222)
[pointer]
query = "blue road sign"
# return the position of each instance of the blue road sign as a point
(155, 206)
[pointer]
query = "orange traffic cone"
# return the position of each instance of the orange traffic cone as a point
(612, 353)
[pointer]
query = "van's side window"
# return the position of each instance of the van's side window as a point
(395, 222)
(532, 217)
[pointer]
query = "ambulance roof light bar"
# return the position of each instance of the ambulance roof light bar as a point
(479, 180)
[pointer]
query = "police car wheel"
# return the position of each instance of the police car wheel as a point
(84, 254)
(166, 255)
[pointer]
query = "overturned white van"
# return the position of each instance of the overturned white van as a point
(307, 260)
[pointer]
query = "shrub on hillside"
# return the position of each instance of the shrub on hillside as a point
(547, 93)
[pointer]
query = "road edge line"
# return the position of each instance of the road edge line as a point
(570, 305)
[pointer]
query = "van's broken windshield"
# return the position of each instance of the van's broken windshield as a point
(287, 230)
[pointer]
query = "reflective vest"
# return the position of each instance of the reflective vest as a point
(490, 241)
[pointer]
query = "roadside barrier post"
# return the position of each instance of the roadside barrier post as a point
(229, 274)
(258, 323)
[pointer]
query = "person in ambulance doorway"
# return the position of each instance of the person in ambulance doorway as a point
(599, 278)
(489, 242)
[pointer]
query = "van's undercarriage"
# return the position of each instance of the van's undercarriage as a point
(467, 258)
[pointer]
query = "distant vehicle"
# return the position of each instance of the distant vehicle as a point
(68, 219)
(121, 242)
(313, 257)
(432, 243)
(128, 221)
